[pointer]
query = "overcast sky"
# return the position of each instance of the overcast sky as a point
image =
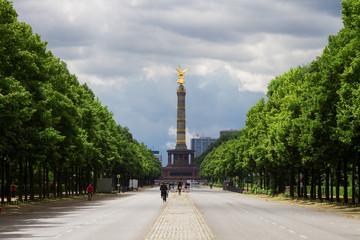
(127, 52)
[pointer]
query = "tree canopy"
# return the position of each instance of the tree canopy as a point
(54, 129)
(307, 130)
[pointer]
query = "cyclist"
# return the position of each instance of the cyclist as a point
(163, 189)
(90, 191)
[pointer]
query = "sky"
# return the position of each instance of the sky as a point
(127, 52)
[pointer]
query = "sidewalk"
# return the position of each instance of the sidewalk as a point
(180, 220)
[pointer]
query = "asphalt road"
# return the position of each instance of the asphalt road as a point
(131, 215)
(236, 216)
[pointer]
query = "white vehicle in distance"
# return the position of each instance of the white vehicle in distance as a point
(193, 183)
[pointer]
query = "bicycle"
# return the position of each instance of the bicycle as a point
(90, 195)
(163, 195)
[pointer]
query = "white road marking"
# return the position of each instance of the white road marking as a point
(291, 231)
(303, 236)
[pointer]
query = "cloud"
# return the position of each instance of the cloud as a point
(127, 52)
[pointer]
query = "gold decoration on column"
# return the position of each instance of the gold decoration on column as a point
(181, 75)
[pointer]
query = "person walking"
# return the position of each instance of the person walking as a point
(179, 187)
(163, 190)
(13, 190)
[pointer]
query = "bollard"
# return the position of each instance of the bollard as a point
(0, 209)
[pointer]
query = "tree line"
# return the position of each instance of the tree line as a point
(55, 135)
(306, 133)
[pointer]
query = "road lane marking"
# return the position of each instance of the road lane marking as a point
(69, 231)
(58, 236)
(344, 226)
(275, 224)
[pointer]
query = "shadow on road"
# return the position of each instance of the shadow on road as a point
(15, 219)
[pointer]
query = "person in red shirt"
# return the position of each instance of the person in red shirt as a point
(13, 189)
(90, 191)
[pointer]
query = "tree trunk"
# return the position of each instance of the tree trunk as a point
(26, 180)
(298, 184)
(305, 183)
(291, 183)
(31, 179)
(319, 184)
(353, 190)
(2, 181)
(358, 181)
(20, 187)
(59, 183)
(47, 182)
(44, 182)
(338, 180)
(327, 183)
(72, 181)
(53, 184)
(332, 186)
(281, 181)
(40, 183)
(312, 191)
(8, 181)
(345, 181)
(67, 190)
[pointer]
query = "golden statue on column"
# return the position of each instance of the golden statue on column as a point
(181, 75)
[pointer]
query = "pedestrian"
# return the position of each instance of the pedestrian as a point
(211, 185)
(179, 187)
(13, 190)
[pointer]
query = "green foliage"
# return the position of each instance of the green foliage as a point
(309, 121)
(51, 121)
